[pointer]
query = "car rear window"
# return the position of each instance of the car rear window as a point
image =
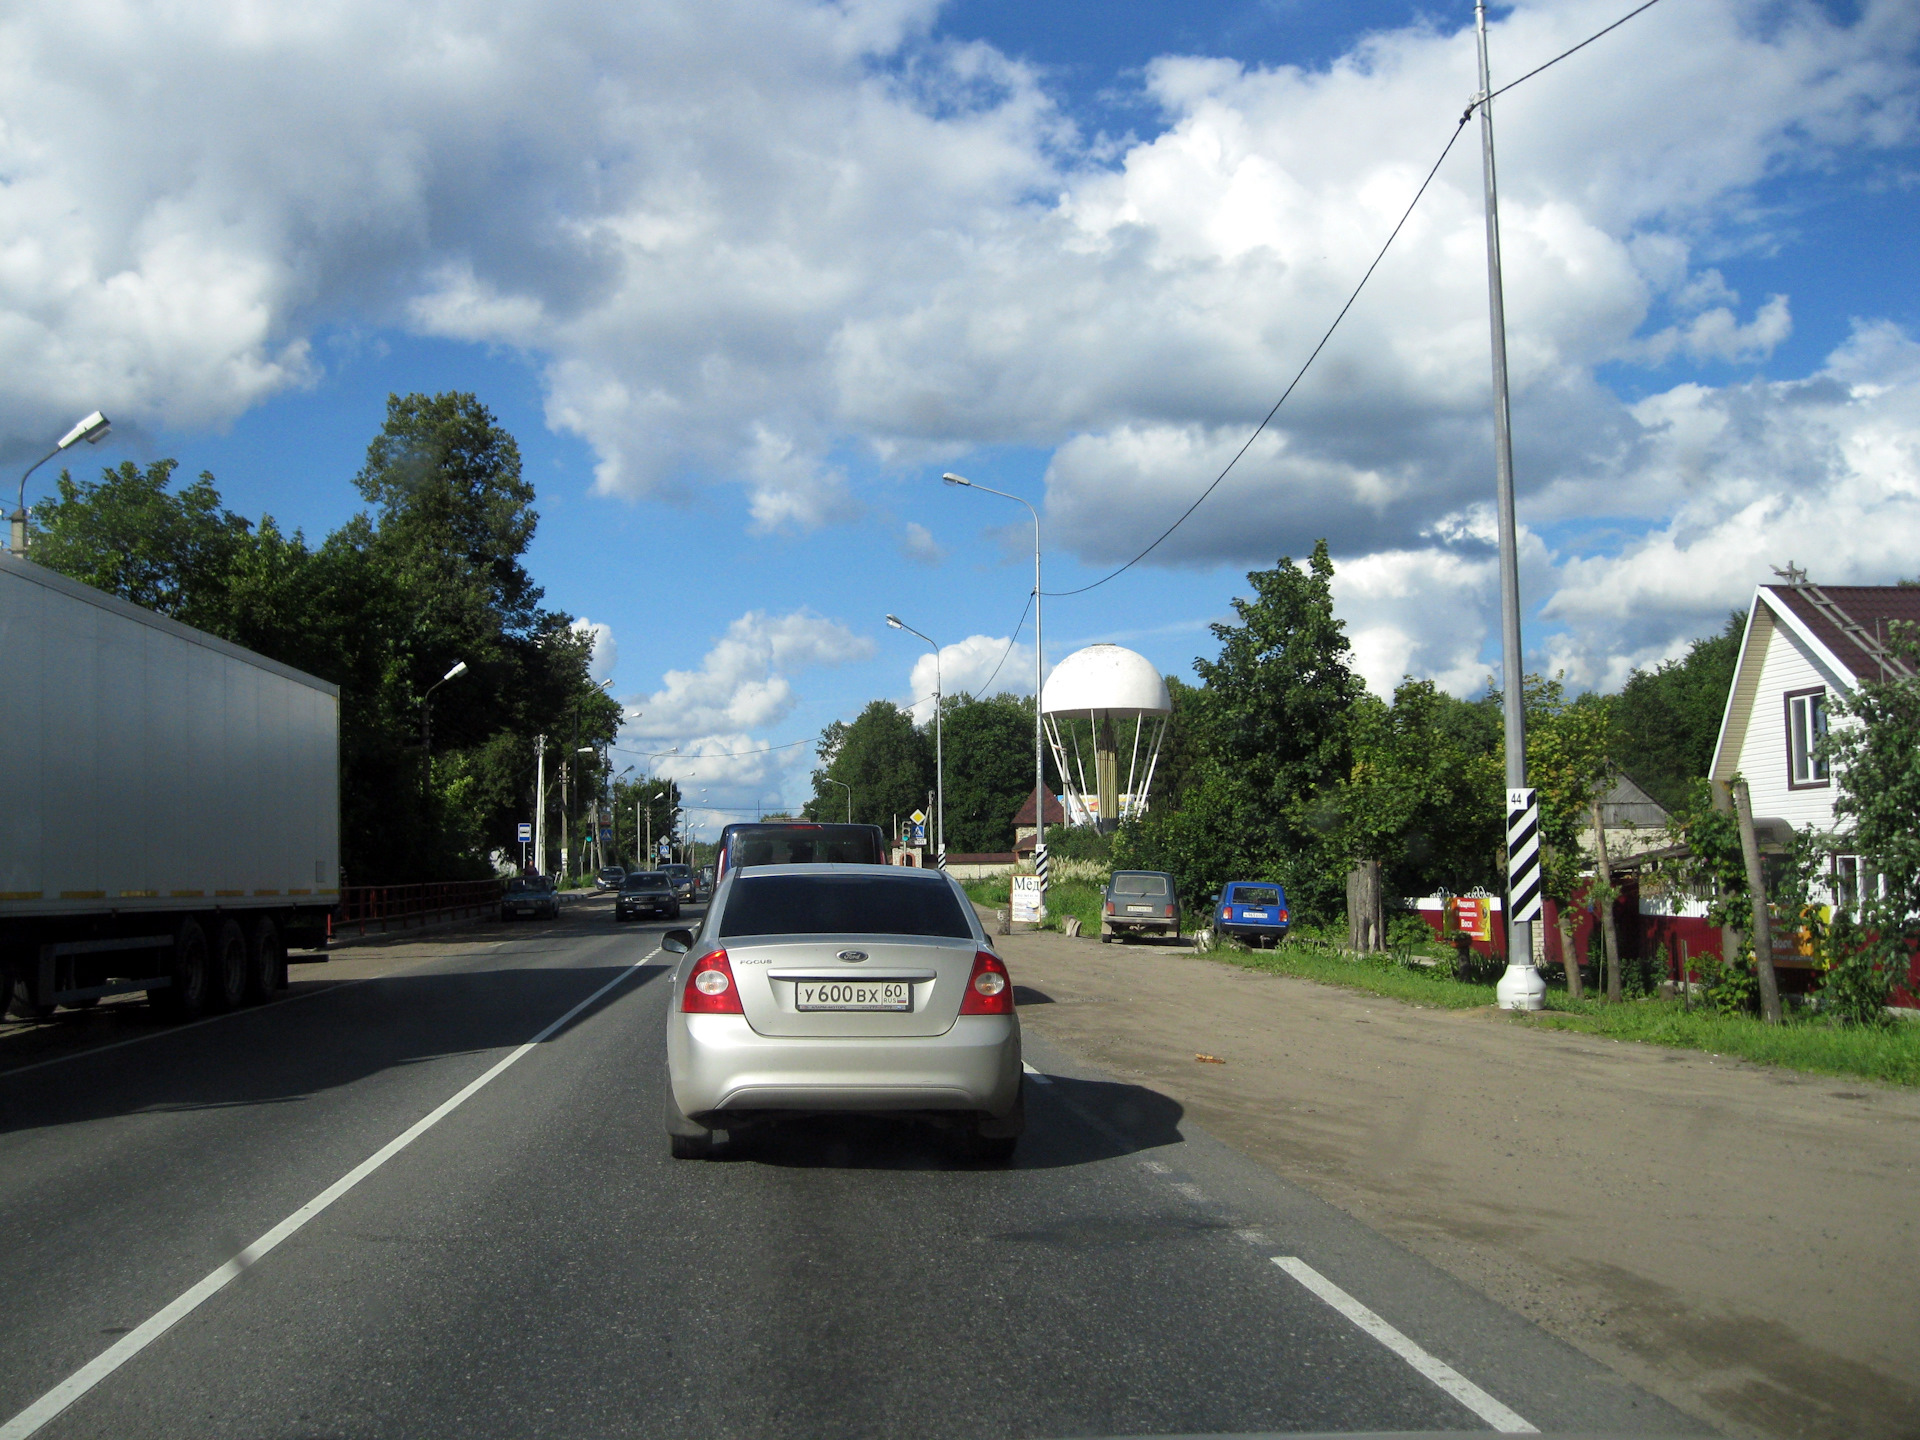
(1125, 884)
(1255, 895)
(645, 880)
(515, 887)
(888, 904)
(803, 847)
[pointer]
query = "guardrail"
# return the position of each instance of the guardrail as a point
(375, 909)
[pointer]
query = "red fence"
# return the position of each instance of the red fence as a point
(378, 908)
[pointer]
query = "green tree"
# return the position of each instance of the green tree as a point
(1423, 793)
(988, 747)
(1876, 765)
(1270, 743)
(1668, 718)
(131, 535)
(885, 758)
(1569, 763)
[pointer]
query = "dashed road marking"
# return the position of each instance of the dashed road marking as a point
(154, 1326)
(1503, 1420)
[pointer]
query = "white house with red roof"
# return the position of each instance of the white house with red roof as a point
(1805, 645)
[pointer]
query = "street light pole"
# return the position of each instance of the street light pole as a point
(846, 787)
(1521, 988)
(1039, 677)
(93, 430)
(939, 756)
(540, 805)
(426, 724)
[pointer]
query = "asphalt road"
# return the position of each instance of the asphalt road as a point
(531, 1262)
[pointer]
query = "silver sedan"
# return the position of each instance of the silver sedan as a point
(822, 988)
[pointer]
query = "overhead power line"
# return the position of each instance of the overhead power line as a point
(1445, 150)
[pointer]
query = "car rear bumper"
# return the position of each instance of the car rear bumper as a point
(1254, 932)
(719, 1064)
(1125, 924)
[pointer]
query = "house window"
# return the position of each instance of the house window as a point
(1806, 724)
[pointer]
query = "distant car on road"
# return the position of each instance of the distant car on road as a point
(1140, 902)
(833, 988)
(1254, 911)
(646, 892)
(530, 897)
(610, 877)
(794, 842)
(684, 885)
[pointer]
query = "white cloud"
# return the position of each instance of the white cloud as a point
(980, 665)
(748, 239)
(606, 652)
(744, 684)
(917, 543)
(1824, 471)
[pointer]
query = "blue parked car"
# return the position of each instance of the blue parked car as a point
(1254, 911)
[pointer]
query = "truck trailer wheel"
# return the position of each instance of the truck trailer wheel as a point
(266, 962)
(186, 997)
(227, 967)
(17, 999)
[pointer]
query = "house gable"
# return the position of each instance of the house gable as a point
(1780, 655)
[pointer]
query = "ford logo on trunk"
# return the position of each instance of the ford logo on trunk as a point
(853, 954)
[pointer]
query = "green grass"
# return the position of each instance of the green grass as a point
(1064, 898)
(1890, 1055)
(1376, 975)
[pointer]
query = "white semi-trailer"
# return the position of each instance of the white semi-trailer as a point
(169, 805)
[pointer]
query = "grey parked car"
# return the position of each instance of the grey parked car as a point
(823, 988)
(1140, 902)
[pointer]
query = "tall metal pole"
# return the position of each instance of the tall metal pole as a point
(540, 804)
(1521, 988)
(1039, 744)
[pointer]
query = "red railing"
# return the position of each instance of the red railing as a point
(379, 908)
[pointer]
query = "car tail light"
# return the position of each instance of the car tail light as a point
(1226, 912)
(1283, 914)
(710, 988)
(1169, 912)
(989, 990)
(1109, 907)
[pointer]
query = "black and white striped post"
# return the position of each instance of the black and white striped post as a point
(1521, 988)
(1523, 856)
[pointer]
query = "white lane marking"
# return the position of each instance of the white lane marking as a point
(1251, 1237)
(134, 1341)
(1190, 1190)
(1154, 1167)
(1438, 1371)
(1038, 1078)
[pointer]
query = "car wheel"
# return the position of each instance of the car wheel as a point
(989, 1149)
(691, 1147)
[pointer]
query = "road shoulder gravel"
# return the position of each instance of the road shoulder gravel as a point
(1733, 1238)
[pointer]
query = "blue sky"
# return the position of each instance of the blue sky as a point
(743, 278)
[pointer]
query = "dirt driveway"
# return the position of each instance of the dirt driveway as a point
(1739, 1240)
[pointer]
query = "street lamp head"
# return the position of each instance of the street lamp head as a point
(588, 750)
(93, 430)
(604, 683)
(894, 621)
(459, 668)
(953, 479)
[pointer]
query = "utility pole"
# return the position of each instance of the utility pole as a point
(1521, 988)
(540, 804)
(564, 859)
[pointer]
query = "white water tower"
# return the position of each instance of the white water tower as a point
(1102, 693)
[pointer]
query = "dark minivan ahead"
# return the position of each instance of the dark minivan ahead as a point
(795, 842)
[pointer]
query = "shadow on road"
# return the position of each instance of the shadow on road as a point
(280, 1054)
(1069, 1122)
